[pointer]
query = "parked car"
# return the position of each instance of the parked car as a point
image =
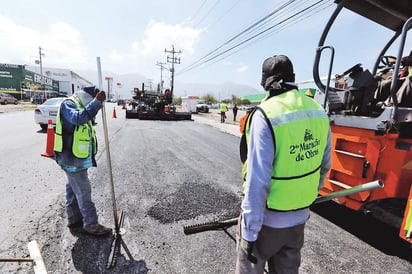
(37, 99)
(121, 102)
(47, 111)
(7, 98)
(202, 107)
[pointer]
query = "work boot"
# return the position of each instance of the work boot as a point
(97, 230)
(76, 228)
(78, 224)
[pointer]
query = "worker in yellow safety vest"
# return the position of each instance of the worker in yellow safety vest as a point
(223, 110)
(288, 148)
(75, 147)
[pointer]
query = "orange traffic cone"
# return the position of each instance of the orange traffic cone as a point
(114, 112)
(50, 140)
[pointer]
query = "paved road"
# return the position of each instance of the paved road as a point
(167, 175)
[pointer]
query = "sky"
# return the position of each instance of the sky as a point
(131, 37)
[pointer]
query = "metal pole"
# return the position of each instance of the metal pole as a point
(41, 65)
(349, 191)
(106, 142)
(329, 73)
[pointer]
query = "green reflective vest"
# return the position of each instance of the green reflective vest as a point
(223, 107)
(300, 127)
(82, 136)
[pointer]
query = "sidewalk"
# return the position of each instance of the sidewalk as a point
(213, 119)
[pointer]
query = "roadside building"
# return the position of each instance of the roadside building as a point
(24, 84)
(69, 81)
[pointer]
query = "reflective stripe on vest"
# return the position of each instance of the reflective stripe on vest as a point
(300, 126)
(82, 136)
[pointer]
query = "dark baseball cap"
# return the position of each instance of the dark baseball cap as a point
(92, 90)
(278, 67)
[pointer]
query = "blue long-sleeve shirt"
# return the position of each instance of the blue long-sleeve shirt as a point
(261, 151)
(71, 116)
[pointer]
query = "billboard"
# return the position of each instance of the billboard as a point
(16, 79)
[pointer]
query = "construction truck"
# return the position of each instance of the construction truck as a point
(370, 113)
(153, 105)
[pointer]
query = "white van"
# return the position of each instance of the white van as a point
(189, 103)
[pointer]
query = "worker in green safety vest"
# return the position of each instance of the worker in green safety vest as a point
(75, 147)
(288, 147)
(223, 110)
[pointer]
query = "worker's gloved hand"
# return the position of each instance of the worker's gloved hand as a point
(247, 247)
(101, 96)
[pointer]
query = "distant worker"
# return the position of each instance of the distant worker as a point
(223, 110)
(136, 92)
(157, 104)
(168, 97)
(234, 112)
(288, 157)
(75, 147)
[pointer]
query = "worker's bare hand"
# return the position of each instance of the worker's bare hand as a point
(101, 96)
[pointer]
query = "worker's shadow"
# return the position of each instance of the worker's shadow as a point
(91, 255)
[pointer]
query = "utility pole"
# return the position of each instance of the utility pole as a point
(160, 64)
(41, 72)
(41, 63)
(174, 60)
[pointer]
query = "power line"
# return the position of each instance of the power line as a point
(280, 28)
(208, 12)
(195, 64)
(197, 11)
(225, 13)
(249, 39)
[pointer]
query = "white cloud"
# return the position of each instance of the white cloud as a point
(159, 35)
(143, 55)
(64, 47)
(64, 31)
(14, 42)
(61, 44)
(242, 68)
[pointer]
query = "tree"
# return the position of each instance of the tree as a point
(244, 102)
(234, 99)
(209, 99)
(238, 101)
(177, 100)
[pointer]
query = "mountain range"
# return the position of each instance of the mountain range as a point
(123, 84)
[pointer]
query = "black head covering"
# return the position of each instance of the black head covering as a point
(275, 71)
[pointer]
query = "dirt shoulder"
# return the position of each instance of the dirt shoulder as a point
(214, 114)
(21, 106)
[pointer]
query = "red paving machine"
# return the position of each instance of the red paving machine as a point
(150, 105)
(371, 119)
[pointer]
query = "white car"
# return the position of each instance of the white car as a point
(47, 111)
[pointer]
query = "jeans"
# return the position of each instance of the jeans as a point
(79, 204)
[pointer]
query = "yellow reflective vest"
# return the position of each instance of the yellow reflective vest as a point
(223, 107)
(82, 136)
(300, 129)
